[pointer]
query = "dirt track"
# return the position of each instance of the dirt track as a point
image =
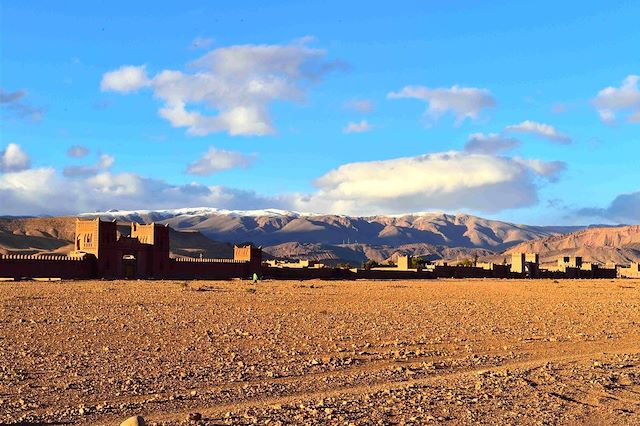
(385, 352)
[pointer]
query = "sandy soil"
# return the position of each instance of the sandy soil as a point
(321, 352)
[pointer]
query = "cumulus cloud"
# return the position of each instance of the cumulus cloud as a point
(463, 102)
(13, 159)
(78, 151)
(625, 208)
(626, 98)
(360, 105)
(238, 83)
(127, 78)
(104, 163)
(548, 169)
(216, 160)
(447, 180)
(44, 191)
(540, 129)
(201, 43)
(360, 127)
(15, 102)
(493, 143)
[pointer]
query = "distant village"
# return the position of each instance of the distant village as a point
(100, 253)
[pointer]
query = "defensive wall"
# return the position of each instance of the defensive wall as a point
(524, 265)
(632, 271)
(100, 253)
(18, 266)
(210, 269)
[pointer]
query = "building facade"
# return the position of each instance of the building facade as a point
(99, 252)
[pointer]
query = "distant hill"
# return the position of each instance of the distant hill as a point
(605, 244)
(56, 234)
(274, 227)
(336, 238)
(358, 253)
(36, 235)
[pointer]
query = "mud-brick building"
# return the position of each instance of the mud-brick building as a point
(145, 253)
(525, 264)
(100, 252)
(632, 271)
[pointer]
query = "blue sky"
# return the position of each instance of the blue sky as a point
(415, 81)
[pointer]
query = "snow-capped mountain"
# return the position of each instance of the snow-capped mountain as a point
(272, 227)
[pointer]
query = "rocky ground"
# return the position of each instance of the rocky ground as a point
(321, 352)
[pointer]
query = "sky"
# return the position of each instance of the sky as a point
(527, 112)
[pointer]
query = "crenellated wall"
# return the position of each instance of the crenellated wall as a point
(20, 266)
(210, 269)
(306, 273)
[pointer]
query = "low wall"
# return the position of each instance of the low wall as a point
(306, 273)
(392, 274)
(208, 269)
(469, 272)
(19, 266)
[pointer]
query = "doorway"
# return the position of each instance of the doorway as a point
(129, 266)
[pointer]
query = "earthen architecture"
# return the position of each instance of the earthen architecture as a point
(100, 252)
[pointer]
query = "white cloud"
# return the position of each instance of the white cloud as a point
(361, 127)
(44, 191)
(238, 82)
(13, 159)
(626, 98)
(16, 103)
(216, 160)
(447, 180)
(463, 102)
(201, 43)
(493, 143)
(127, 78)
(104, 163)
(540, 129)
(548, 169)
(625, 208)
(360, 105)
(78, 151)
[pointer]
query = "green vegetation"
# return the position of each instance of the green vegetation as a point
(369, 264)
(418, 263)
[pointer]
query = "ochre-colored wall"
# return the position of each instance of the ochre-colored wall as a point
(18, 266)
(221, 269)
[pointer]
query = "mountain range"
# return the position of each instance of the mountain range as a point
(272, 227)
(338, 238)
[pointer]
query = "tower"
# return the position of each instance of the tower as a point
(250, 254)
(525, 263)
(404, 262)
(156, 238)
(98, 238)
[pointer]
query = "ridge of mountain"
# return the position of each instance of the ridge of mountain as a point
(272, 227)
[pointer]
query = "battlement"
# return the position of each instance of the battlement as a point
(100, 253)
(205, 260)
(525, 263)
(42, 257)
(152, 233)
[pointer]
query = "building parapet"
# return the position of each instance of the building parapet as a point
(205, 260)
(41, 257)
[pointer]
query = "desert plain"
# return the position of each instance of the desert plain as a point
(538, 352)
